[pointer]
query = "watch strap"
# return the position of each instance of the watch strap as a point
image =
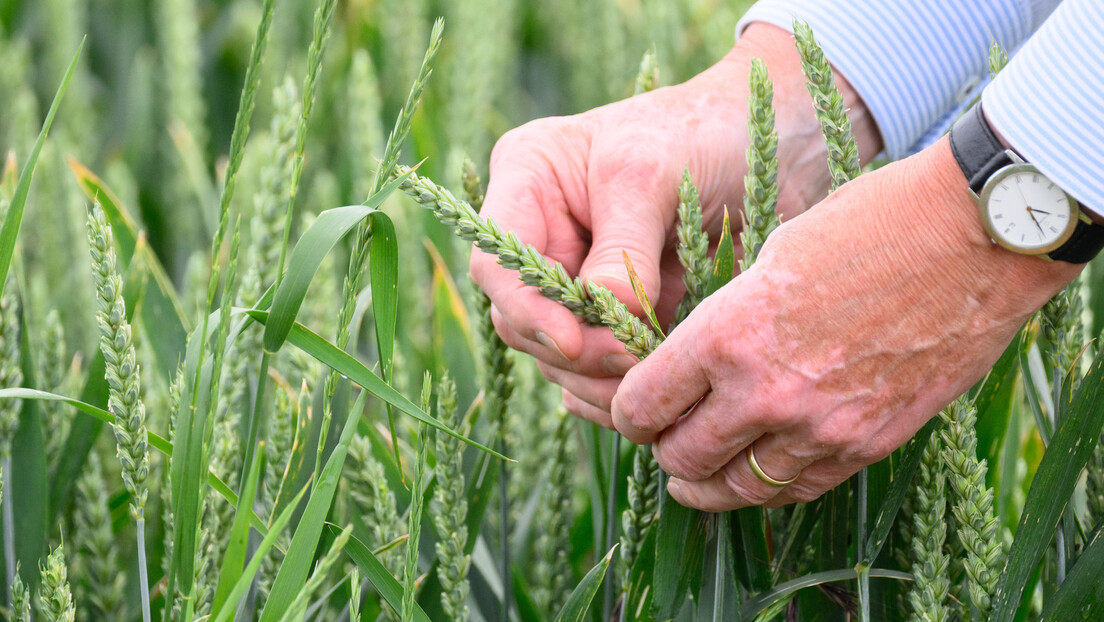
(976, 149)
(1085, 243)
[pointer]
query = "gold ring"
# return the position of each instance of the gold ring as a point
(767, 479)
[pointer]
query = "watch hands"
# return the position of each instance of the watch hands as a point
(1031, 212)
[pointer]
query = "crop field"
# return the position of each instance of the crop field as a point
(244, 374)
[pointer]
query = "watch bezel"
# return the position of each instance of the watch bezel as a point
(983, 205)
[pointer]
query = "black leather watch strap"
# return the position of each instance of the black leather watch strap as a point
(979, 154)
(1085, 243)
(976, 148)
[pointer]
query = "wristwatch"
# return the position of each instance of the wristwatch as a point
(1021, 209)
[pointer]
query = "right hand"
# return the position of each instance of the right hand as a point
(583, 188)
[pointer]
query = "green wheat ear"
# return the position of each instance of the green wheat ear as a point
(761, 181)
(54, 595)
(20, 600)
(125, 401)
(930, 562)
(591, 301)
(11, 371)
(998, 58)
(843, 153)
(693, 247)
(451, 508)
(975, 522)
(553, 566)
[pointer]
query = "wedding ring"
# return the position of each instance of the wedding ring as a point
(767, 479)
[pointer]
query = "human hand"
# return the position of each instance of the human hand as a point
(856, 324)
(583, 188)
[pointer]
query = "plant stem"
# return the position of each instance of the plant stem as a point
(611, 523)
(143, 578)
(9, 529)
(720, 527)
(504, 526)
(860, 540)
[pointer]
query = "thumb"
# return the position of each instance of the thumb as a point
(630, 215)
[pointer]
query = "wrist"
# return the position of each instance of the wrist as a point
(939, 205)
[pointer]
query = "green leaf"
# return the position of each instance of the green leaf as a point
(28, 477)
(296, 565)
(1082, 592)
(327, 230)
(749, 548)
(574, 610)
(9, 231)
(245, 579)
(680, 549)
(374, 571)
(233, 559)
(755, 605)
(899, 488)
(993, 399)
(1067, 454)
(354, 370)
(383, 264)
(724, 261)
(155, 440)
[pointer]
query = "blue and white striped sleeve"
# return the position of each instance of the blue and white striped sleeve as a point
(1048, 103)
(915, 63)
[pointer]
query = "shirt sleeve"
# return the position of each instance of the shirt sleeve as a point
(915, 63)
(1048, 103)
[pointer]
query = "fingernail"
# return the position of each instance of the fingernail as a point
(618, 364)
(672, 486)
(549, 342)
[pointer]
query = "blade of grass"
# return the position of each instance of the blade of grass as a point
(1070, 449)
(376, 574)
(680, 549)
(233, 560)
(245, 580)
(9, 231)
(317, 242)
(724, 261)
(347, 365)
(383, 264)
(1082, 592)
(297, 563)
(759, 603)
(575, 609)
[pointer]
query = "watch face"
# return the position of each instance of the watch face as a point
(1024, 211)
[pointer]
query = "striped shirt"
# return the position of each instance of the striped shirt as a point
(918, 63)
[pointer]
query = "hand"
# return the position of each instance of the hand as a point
(859, 321)
(582, 188)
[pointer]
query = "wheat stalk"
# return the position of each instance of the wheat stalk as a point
(298, 608)
(451, 508)
(422, 472)
(972, 508)
(693, 247)
(761, 181)
(843, 154)
(104, 597)
(553, 567)
(20, 610)
(55, 598)
(593, 302)
(930, 563)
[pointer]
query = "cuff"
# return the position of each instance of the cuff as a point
(911, 62)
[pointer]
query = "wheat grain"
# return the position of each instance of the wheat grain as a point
(843, 154)
(451, 508)
(761, 181)
(553, 567)
(930, 563)
(693, 247)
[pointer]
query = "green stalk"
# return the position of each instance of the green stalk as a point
(594, 303)
(414, 516)
(11, 375)
(362, 238)
(9, 531)
(843, 153)
(143, 573)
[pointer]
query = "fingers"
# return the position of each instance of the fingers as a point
(632, 206)
(597, 392)
(698, 445)
(656, 392)
(603, 356)
(583, 410)
(526, 195)
(736, 485)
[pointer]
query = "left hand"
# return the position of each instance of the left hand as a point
(860, 320)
